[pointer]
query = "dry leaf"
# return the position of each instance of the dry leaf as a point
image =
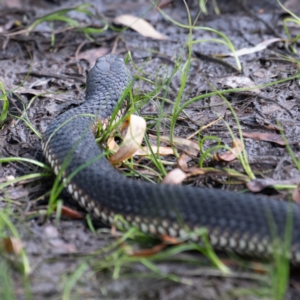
(193, 171)
(239, 82)
(259, 47)
(10, 177)
(148, 172)
(12, 245)
(296, 194)
(92, 54)
(237, 148)
(14, 4)
(61, 247)
(139, 25)
(52, 107)
(136, 128)
(164, 3)
(71, 213)
(185, 145)
(112, 145)
(176, 176)
(259, 184)
(183, 162)
(263, 136)
(293, 6)
(163, 151)
(147, 252)
(52, 236)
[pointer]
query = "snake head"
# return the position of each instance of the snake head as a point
(109, 73)
(110, 63)
(106, 83)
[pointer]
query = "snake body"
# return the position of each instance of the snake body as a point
(242, 223)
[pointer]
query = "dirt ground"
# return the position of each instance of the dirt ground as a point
(44, 73)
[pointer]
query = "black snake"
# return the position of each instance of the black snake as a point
(243, 223)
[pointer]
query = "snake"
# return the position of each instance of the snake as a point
(242, 223)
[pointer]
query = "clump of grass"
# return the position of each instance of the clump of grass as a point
(293, 19)
(4, 104)
(61, 15)
(123, 257)
(242, 157)
(277, 271)
(6, 284)
(12, 260)
(222, 40)
(70, 281)
(7, 229)
(295, 160)
(202, 5)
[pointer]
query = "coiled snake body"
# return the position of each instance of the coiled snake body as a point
(239, 222)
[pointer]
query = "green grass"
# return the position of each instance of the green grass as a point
(292, 19)
(6, 283)
(17, 261)
(4, 105)
(8, 229)
(72, 24)
(224, 40)
(203, 8)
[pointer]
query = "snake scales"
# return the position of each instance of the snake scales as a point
(239, 222)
